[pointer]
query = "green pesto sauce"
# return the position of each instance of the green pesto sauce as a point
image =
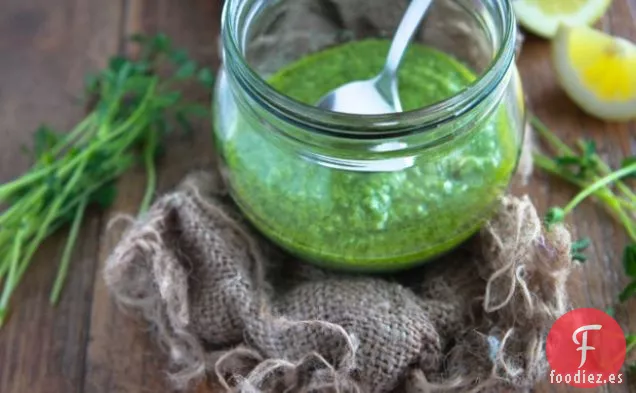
(371, 221)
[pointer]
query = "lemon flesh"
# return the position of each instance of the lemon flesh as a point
(543, 17)
(597, 71)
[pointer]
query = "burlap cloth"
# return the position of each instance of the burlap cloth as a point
(228, 304)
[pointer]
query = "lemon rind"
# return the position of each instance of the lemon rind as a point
(546, 26)
(575, 89)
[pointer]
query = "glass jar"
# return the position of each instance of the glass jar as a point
(367, 192)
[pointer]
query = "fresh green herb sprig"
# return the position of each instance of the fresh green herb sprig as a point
(586, 170)
(132, 105)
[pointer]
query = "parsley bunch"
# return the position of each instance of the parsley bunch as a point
(131, 107)
(584, 168)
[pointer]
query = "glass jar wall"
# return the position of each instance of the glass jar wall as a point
(371, 193)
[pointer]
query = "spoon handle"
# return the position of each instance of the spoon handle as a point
(409, 24)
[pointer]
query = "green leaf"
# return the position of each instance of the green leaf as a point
(554, 216)
(577, 247)
(589, 148)
(106, 79)
(152, 46)
(141, 67)
(610, 311)
(589, 161)
(629, 260)
(44, 140)
(105, 196)
(628, 292)
(167, 99)
(96, 164)
(179, 57)
(117, 63)
(206, 78)
(73, 152)
(103, 110)
(581, 244)
(584, 163)
(579, 257)
(138, 84)
(187, 70)
(627, 162)
(161, 43)
(567, 160)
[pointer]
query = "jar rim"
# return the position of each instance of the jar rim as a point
(389, 125)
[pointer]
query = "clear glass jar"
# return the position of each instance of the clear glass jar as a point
(370, 193)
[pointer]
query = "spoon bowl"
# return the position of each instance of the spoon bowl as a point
(363, 98)
(379, 95)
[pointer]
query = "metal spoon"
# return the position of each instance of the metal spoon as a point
(380, 94)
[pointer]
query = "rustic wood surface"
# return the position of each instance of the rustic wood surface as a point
(87, 344)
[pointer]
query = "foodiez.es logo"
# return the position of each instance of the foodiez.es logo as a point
(586, 348)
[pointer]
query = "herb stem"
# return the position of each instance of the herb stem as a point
(628, 205)
(143, 107)
(40, 169)
(74, 134)
(612, 203)
(548, 165)
(52, 213)
(630, 347)
(115, 100)
(72, 204)
(68, 251)
(556, 143)
(13, 272)
(626, 221)
(131, 107)
(606, 170)
(7, 189)
(599, 184)
(151, 172)
(27, 204)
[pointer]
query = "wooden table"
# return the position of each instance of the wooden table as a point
(86, 344)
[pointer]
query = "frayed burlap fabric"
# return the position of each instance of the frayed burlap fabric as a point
(228, 305)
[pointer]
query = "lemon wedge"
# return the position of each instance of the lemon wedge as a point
(543, 17)
(597, 71)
